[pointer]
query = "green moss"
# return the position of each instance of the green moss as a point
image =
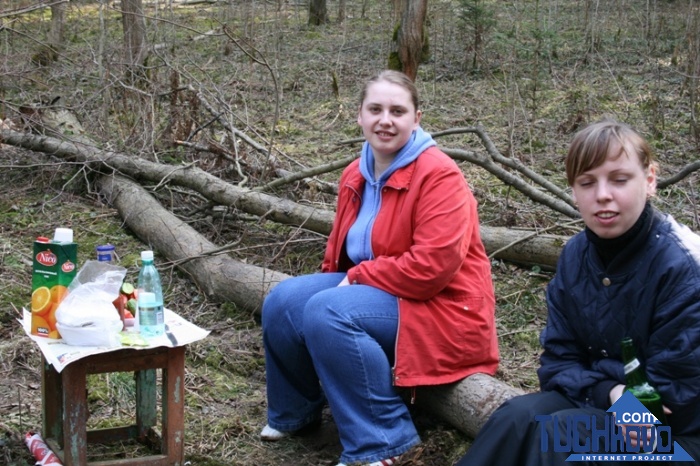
(394, 61)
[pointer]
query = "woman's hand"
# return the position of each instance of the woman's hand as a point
(616, 393)
(634, 436)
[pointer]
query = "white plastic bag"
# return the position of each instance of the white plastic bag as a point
(86, 316)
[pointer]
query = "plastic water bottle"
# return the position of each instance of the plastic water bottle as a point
(149, 302)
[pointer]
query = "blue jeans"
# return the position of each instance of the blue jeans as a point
(324, 342)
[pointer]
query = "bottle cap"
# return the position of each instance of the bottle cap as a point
(63, 235)
(146, 255)
(105, 252)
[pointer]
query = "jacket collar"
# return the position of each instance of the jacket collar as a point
(400, 179)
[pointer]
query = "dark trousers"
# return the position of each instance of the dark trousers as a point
(513, 437)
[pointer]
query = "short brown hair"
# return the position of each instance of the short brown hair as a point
(590, 147)
(394, 77)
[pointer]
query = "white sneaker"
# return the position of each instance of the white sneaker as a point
(272, 435)
(386, 462)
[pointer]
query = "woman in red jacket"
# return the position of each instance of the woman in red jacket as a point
(405, 297)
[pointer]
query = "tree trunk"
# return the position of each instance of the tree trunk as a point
(410, 37)
(522, 247)
(398, 8)
(318, 12)
(49, 51)
(341, 11)
(57, 24)
(135, 45)
(219, 277)
(365, 6)
(466, 404)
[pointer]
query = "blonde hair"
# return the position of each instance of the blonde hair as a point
(591, 146)
(394, 77)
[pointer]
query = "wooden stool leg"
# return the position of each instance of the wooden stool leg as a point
(74, 379)
(52, 403)
(173, 427)
(146, 403)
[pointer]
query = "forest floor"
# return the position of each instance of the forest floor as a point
(532, 85)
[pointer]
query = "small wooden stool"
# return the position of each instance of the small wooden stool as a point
(64, 406)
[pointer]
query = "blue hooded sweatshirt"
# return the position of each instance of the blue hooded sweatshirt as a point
(359, 240)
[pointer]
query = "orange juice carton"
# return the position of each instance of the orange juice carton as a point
(54, 267)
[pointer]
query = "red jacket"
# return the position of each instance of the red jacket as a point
(428, 252)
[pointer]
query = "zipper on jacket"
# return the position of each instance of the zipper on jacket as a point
(396, 341)
(375, 212)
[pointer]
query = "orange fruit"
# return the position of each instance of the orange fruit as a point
(58, 292)
(39, 322)
(50, 317)
(41, 300)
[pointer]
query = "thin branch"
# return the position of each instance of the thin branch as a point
(262, 61)
(314, 171)
(211, 147)
(536, 233)
(511, 162)
(513, 180)
(685, 171)
(29, 9)
(254, 144)
(348, 142)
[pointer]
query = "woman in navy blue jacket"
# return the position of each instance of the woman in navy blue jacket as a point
(633, 272)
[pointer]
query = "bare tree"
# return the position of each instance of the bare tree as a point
(411, 36)
(341, 11)
(57, 22)
(590, 22)
(135, 45)
(365, 5)
(48, 52)
(318, 12)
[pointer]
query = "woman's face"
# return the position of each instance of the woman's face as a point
(387, 117)
(611, 197)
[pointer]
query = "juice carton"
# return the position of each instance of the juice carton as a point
(54, 269)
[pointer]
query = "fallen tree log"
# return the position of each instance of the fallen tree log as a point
(518, 246)
(218, 276)
(466, 405)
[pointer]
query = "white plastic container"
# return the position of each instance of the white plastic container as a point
(106, 334)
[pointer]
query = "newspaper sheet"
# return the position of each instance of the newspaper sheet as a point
(180, 332)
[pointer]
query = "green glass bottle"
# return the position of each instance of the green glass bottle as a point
(636, 382)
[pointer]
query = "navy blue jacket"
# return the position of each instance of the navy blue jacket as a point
(650, 293)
